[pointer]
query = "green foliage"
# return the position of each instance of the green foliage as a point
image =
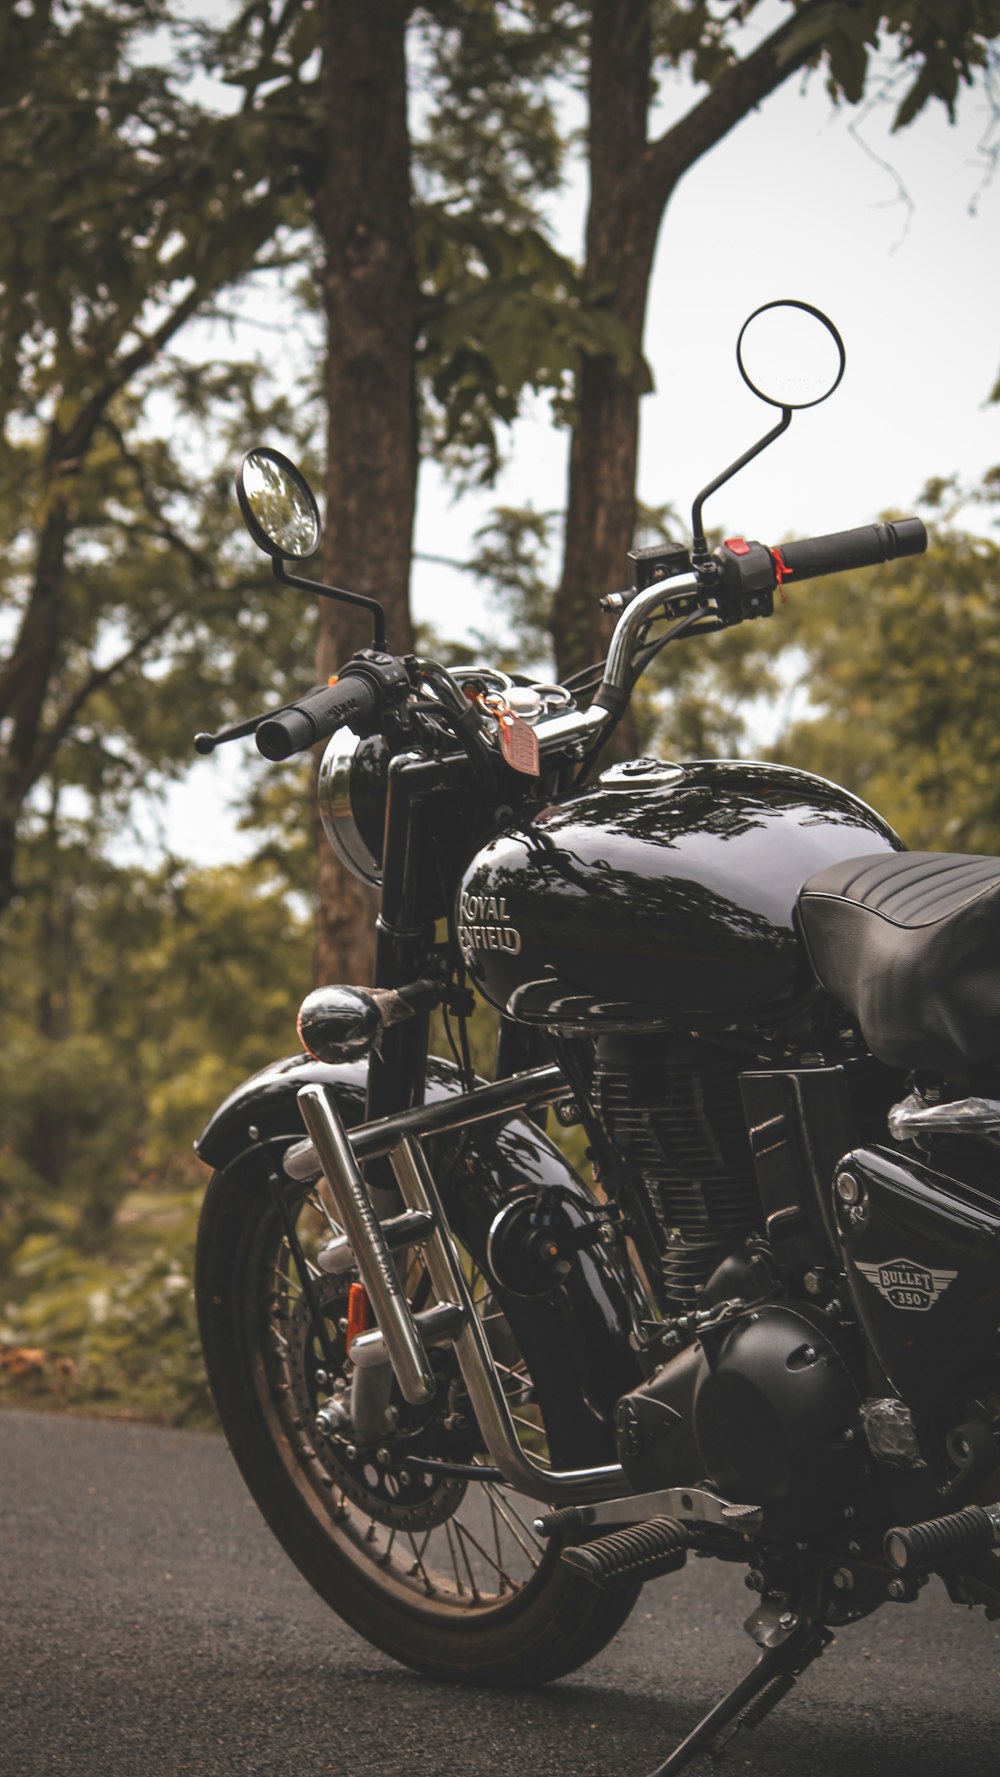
(502, 312)
(125, 207)
(486, 74)
(119, 1337)
(902, 691)
(513, 556)
(937, 46)
(173, 985)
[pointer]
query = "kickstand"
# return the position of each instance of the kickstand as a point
(764, 1685)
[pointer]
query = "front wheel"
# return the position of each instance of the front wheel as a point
(444, 1575)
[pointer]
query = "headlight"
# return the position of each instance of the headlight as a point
(352, 792)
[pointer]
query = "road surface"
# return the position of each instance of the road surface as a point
(151, 1627)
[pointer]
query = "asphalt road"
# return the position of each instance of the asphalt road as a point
(150, 1627)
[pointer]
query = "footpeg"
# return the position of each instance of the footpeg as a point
(627, 1557)
(567, 1519)
(922, 1548)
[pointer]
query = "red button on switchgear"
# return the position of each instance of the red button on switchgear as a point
(738, 545)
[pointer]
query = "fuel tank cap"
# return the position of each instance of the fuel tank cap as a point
(644, 773)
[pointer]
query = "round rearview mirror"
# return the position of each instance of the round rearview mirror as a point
(278, 505)
(790, 354)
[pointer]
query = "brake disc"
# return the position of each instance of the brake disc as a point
(392, 1492)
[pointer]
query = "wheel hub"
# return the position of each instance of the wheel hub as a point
(376, 1478)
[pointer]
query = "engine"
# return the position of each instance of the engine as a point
(765, 1403)
(765, 1400)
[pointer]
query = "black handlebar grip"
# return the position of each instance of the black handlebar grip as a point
(316, 716)
(863, 548)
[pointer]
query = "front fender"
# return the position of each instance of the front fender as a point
(576, 1338)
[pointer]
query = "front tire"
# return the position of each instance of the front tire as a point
(449, 1579)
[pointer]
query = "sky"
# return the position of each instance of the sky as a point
(897, 238)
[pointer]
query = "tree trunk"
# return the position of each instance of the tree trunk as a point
(600, 518)
(370, 289)
(28, 675)
(632, 180)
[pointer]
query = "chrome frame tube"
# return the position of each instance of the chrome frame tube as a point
(475, 1359)
(363, 1229)
(371, 1140)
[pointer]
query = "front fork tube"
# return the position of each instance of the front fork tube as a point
(397, 1327)
(404, 948)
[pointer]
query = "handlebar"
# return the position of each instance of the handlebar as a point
(735, 583)
(316, 716)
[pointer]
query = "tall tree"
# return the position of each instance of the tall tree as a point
(369, 279)
(633, 178)
(442, 297)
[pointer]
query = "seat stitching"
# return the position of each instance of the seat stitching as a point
(988, 887)
(867, 866)
(809, 897)
(849, 891)
(958, 893)
(924, 872)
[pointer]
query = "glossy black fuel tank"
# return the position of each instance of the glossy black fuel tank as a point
(659, 898)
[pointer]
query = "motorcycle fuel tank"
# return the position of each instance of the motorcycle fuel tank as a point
(661, 896)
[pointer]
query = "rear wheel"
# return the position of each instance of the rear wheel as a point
(444, 1574)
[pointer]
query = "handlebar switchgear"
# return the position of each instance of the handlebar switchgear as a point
(370, 680)
(745, 574)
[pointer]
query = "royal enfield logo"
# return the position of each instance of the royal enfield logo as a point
(485, 925)
(907, 1285)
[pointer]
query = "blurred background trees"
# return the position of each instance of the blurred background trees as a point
(328, 224)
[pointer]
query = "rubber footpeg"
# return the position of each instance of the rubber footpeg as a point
(639, 1552)
(920, 1548)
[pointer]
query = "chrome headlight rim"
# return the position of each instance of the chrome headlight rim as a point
(336, 809)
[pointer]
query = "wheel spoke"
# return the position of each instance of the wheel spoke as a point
(464, 1531)
(454, 1558)
(511, 1517)
(462, 1561)
(513, 1372)
(418, 1561)
(529, 1424)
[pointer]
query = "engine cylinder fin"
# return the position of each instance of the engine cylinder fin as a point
(674, 1113)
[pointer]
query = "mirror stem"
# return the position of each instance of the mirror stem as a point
(339, 593)
(699, 547)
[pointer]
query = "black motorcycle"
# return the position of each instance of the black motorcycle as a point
(479, 1401)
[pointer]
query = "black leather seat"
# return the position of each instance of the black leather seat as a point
(910, 943)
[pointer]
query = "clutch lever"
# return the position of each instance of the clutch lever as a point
(207, 743)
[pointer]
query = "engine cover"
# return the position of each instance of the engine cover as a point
(765, 1406)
